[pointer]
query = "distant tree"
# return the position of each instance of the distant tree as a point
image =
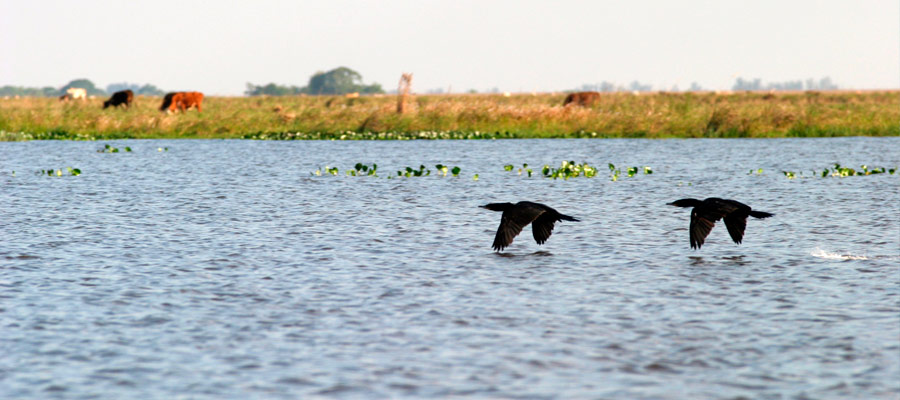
(695, 87)
(600, 87)
(789, 85)
(272, 90)
(147, 90)
(85, 84)
(607, 87)
(371, 89)
(810, 84)
(115, 87)
(636, 86)
(339, 81)
(27, 91)
(741, 84)
(150, 90)
(823, 84)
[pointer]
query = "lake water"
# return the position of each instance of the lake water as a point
(227, 270)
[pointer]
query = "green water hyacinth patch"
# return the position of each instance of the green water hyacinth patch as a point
(523, 169)
(442, 169)
(69, 171)
(571, 169)
(839, 171)
(361, 169)
(326, 170)
(110, 149)
(351, 135)
(410, 171)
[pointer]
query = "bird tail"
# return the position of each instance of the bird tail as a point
(760, 214)
(563, 217)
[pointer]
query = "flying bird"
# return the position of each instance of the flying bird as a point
(707, 212)
(517, 216)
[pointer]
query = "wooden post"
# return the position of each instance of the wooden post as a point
(403, 92)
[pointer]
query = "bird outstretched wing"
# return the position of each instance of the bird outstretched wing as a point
(512, 223)
(701, 224)
(736, 224)
(542, 227)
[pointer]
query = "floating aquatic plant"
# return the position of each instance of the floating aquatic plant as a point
(570, 169)
(58, 172)
(410, 171)
(162, 149)
(630, 171)
(524, 168)
(415, 135)
(441, 168)
(326, 170)
(110, 149)
(841, 171)
(361, 169)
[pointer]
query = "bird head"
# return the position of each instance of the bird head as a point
(685, 203)
(497, 206)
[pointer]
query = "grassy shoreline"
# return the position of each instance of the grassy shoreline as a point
(616, 115)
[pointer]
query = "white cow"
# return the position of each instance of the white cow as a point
(76, 93)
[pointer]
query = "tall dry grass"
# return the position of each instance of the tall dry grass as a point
(656, 115)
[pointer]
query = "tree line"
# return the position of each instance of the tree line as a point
(798, 85)
(86, 84)
(340, 80)
(740, 84)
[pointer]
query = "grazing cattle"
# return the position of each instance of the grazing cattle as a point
(77, 93)
(119, 98)
(182, 101)
(585, 99)
(354, 95)
(64, 98)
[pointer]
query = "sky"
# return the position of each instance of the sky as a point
(217, 47)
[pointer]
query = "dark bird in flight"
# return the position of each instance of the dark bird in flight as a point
(707, 212)
(517, 216)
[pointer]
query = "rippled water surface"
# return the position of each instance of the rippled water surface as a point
(225, 269)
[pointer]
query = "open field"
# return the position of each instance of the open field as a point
(650, 115)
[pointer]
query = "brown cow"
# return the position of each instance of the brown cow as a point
(118, 98)
(585, 99)
(182, 101)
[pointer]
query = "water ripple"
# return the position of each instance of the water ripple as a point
(224, 269)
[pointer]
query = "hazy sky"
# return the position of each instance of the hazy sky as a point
(517, 45)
